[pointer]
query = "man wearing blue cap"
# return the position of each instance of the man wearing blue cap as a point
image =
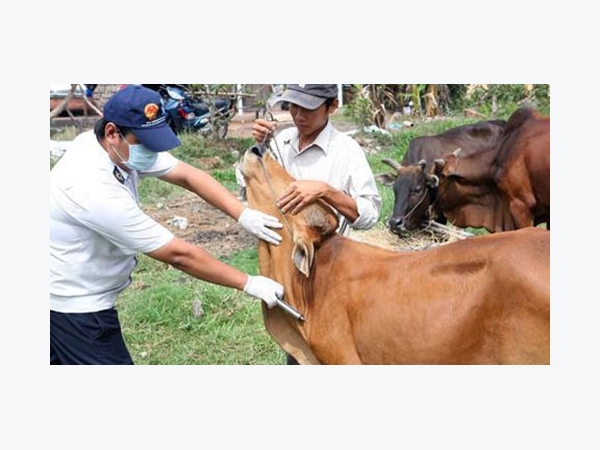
(97, 227)
(327, 164)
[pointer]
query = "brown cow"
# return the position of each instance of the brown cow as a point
(500, 190)
(483, 300)
(413, 189)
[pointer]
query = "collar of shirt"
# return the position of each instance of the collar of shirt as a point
(322, 140)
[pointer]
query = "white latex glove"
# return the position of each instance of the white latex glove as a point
(259, 225)
(264, 288)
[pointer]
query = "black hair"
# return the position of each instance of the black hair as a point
(100, 126)
(329, 102)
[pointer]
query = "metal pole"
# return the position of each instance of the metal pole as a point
(240, 105)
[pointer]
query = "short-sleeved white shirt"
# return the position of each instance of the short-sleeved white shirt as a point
(338, 160)
(97, 226)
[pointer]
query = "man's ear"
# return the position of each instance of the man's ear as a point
(110, 129)
(335, 105)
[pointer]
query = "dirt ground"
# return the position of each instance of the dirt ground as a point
(206, 226)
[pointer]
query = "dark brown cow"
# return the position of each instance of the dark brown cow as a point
(483, 300)
(500, 190)
(413, 189)
(471, 138)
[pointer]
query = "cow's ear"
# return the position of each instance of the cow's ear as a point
(432, 180)
(386, 178)
(303, 255)
(423, 164)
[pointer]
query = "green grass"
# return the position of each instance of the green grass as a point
(160, 327)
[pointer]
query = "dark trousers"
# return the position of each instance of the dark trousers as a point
(87, 338)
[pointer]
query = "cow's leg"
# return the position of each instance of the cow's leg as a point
(334, 349)
(338, 353)
(346, 359)
(521, 211)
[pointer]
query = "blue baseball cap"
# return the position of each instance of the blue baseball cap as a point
(140, 109)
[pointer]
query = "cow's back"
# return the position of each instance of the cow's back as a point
(483, 300)
(469, 138)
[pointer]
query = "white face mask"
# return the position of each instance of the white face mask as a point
(140, 158)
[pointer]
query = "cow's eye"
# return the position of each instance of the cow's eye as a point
(418, 189)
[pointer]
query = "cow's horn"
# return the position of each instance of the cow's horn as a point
(439, 164)
(457, 152)
(422, 163)
(393, 164)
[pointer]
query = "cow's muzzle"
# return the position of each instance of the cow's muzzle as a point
(258, 149)
(397, 225)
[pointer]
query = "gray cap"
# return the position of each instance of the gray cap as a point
(308, 96)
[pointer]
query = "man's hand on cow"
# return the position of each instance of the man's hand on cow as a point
(260, 224)
(269, 291)
(300, 193)
(262, 129)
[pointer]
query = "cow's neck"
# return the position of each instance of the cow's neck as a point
(275, 261)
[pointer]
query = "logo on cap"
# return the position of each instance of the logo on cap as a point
(151, 111)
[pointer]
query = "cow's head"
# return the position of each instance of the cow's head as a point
(302, 232)
(467, 194)
(413, 193)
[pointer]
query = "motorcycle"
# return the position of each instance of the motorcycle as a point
(186, 113)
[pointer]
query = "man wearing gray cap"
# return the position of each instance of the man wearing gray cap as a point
(327, 164)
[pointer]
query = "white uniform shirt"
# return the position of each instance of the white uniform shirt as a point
(338, 160)
(97, 226)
